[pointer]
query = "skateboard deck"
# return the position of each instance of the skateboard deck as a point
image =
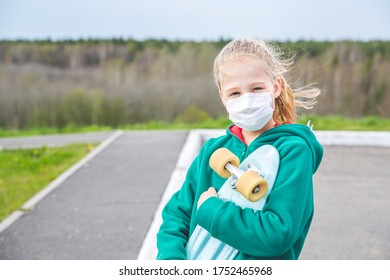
(201, 245)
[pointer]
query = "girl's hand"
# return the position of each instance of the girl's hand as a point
(207, 194)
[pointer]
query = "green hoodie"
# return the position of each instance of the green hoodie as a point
(278, 231)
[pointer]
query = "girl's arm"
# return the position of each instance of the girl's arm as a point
(273, 230)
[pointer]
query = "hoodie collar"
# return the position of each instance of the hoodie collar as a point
(283, 133)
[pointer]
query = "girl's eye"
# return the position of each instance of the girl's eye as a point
(257, 88)
(235, 93)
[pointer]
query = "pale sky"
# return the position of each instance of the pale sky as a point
(196, 19)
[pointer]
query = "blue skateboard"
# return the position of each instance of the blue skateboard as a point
(248, 186)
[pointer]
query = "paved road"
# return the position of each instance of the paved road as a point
(104, 210)
(352, 205)
(52, 140)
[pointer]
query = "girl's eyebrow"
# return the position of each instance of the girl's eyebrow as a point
(233, 89)
(258, 83)
(250, 85)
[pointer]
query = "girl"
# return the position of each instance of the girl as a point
(262, 106)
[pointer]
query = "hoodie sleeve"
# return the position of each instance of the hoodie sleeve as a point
(173, 234)
(273, 230)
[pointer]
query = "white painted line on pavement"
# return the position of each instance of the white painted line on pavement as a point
(58, 181)
(10, 220)
(189, 151)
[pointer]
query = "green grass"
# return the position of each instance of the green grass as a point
(212, 123)
(24, 172)
(320, 123)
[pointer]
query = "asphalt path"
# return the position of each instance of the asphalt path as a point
(104, 210)
(52, 140)
(352, 205)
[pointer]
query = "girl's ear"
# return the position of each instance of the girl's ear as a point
(277, 87)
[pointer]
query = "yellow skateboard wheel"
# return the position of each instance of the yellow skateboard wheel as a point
(252, 186)
(220, 158)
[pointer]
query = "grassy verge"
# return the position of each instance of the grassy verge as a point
(24, 172)
(211, 123)
(320, 123)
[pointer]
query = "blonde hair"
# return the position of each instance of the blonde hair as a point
(275, 66)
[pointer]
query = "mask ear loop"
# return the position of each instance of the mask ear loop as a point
(222, 98)
(273, 96)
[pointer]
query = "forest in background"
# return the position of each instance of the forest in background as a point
(117, 82)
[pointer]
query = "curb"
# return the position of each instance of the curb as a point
(332, 138)
(353, 138)
(32, 202)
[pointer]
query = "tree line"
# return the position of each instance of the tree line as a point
(116, 82)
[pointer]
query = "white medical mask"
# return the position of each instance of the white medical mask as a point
(251, 111)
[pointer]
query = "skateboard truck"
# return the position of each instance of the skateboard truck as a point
(237, 172)
(250, 183)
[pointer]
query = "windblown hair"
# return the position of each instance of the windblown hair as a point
(276, 67)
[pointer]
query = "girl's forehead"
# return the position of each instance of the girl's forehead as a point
(248, 63)
(243, 68)
(243, 59)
